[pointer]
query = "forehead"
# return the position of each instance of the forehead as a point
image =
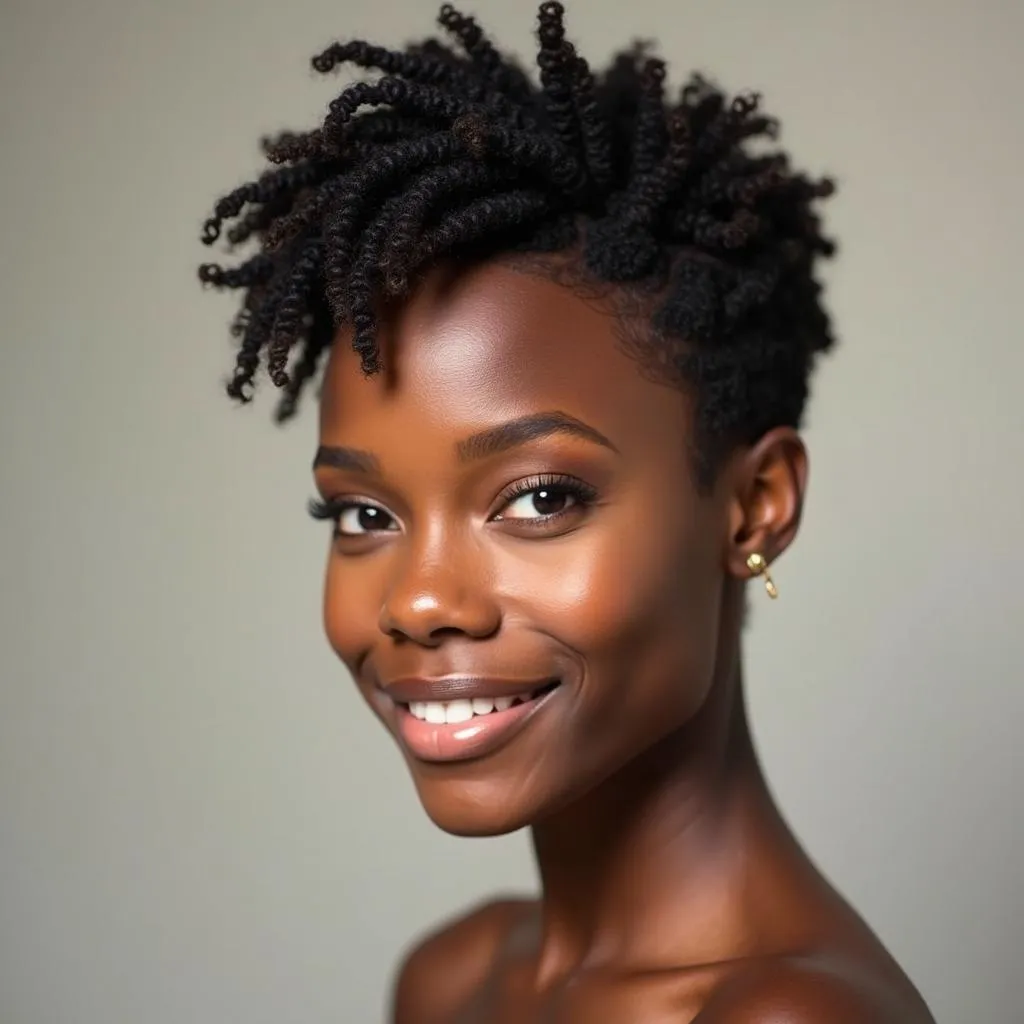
(475, 347)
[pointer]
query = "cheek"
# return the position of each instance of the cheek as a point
(640, 605)
(349, 616)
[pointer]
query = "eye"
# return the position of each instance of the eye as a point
(545, 499)
(354, 518)
(540, 503)
(361, 518)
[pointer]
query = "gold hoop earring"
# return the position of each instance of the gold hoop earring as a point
(759, 567)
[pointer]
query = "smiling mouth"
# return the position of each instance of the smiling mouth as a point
(469, 727)
(458, 712)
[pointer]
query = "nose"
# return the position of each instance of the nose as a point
(435, 595)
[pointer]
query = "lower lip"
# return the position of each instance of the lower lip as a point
(480, 736)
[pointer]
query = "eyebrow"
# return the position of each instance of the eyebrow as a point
(482, 445)
(524, 429)
(352, 459)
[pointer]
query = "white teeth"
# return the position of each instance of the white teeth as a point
(452, 712)
(458, 711)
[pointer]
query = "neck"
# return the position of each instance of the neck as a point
(656, 862)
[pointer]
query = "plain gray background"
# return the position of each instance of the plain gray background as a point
(199, 822)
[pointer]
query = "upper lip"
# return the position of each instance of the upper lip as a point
(411, 689)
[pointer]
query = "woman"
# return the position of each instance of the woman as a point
(567, 331)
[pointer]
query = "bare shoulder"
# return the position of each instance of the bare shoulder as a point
(438, 974)
(815, 990)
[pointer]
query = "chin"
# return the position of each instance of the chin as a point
(474, 808)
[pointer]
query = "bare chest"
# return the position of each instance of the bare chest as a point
(671, 997)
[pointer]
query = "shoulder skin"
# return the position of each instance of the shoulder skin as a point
(813, 992)
(438, 974)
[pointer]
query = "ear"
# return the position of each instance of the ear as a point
(768, 482)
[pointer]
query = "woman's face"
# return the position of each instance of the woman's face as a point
(525, 584)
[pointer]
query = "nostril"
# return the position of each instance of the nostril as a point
(431, 618)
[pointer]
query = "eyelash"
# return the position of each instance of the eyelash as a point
(583, 495)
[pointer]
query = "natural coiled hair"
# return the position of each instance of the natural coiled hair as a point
(706, 244)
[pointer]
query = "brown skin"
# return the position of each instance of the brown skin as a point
(672, 889)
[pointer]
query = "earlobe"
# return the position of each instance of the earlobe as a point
(769, 483)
